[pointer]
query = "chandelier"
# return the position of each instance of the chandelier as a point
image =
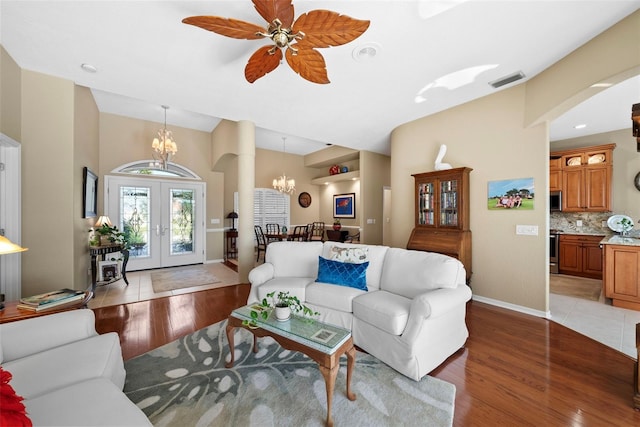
(283, 183)
(164, 146)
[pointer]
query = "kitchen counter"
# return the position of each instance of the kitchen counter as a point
(621, 240)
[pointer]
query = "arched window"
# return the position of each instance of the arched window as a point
(149, 167)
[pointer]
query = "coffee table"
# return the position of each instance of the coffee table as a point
(323, 343)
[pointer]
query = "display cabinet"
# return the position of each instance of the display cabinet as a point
(442, 214)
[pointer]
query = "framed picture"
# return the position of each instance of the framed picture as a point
(90, 195)
(511, 194)
(108, 270)
(344, 205)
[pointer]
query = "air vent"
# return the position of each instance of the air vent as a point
(508, 79)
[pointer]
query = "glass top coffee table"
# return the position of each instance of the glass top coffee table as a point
(323, 343)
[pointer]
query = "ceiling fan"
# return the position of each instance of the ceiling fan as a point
(299, 39)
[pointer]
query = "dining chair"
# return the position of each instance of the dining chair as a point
(299, 233)
(272, 230)
(261, 241)
(317, 231)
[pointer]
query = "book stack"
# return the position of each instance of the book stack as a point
(51, 300)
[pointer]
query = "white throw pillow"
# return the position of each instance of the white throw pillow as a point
(350, 255)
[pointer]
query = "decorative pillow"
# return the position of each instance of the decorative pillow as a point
(350, 255)
(13, 412)
(343, 273)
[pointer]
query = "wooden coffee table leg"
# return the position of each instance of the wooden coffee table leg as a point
(329, 375)
(351, 361)
(230, 329)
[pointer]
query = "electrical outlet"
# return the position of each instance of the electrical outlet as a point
(579, 223)
(527, 230)
(604, 224)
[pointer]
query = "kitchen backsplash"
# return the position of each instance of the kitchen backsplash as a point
(592, 222)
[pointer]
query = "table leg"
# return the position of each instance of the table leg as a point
(232, 348)
(125, 254)
(351, 361)
(93, 274)
(329, 375)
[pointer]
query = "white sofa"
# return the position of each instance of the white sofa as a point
(412, 317)
(67, 374)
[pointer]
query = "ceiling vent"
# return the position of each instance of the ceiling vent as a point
(508, 79)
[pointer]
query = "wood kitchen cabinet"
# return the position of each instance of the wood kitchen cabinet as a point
(622, 275)
(580, 255)
(555, 174)
(585, 178)
(442, 214)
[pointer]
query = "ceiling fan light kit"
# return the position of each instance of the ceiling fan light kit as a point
(299, 39)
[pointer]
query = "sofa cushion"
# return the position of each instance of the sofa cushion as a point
(384, 310)
(294, 259)
(40, 373)
(95, 402)
(375, 256)
(410, 273)
(334, 297)
(343, 273)
(294, 285)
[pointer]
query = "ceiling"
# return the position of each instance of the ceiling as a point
(430, 56)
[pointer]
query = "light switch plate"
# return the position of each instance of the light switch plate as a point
(527, 230)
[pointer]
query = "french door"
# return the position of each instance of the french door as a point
(162, 219)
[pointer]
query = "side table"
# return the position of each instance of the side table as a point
(232, 244)
(12, 313)
(95, 251)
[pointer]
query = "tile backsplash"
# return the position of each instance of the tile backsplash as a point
(592, 222)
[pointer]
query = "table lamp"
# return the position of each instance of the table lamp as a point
(8, 247)
(233, 216)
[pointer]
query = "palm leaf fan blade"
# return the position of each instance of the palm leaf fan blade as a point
(228, 27)
(261, 63)
(275, 9)
(324, 28)
(308, 63)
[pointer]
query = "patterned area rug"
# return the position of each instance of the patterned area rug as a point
(185, 383)
(181, 277)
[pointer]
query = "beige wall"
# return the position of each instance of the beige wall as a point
(374, 177)
(626, 164)
(10, 97)
(498, 148)
(496, 137)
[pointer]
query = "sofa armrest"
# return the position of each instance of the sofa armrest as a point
(31, 336)
(433, 304)
(257, 277)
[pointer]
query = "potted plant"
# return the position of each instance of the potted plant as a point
(336, 224)
(108, 235)
(283, 304)
(626, 225)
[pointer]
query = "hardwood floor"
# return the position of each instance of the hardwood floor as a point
(515, 370)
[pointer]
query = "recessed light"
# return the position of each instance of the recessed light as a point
(581, 126)
(89, 68)
(366, 52)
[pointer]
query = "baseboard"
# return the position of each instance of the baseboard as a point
(514, 307)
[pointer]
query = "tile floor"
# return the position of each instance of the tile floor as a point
(612, 326)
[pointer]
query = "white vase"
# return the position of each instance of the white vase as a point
(283, 313)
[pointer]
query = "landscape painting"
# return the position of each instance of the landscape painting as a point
(509, 194)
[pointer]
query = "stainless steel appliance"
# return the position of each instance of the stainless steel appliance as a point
(555, 201)
(554, 251)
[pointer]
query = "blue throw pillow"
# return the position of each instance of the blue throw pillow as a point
(343, 273)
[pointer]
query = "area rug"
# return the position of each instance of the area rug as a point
(577, 287)
(181, 277)
(185, 383)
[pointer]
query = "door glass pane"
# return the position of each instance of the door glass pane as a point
(449, 203)
(134, 219)
(182, 202)
(426, 201)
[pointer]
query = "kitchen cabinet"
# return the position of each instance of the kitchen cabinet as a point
(622, 273)
(555, 174)
(580, 255)
(442, 214)
(585, 178)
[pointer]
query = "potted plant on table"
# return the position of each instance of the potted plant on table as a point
(336, 224)
(283, 304)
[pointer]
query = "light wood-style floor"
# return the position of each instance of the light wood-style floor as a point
(515, 370)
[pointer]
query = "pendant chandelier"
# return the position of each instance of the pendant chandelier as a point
(283, 183)
(164, 145)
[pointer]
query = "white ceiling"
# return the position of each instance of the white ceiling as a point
(432, 55)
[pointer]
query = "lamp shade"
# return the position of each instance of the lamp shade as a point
(102, 220)
(232, 215)
(8, 247)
